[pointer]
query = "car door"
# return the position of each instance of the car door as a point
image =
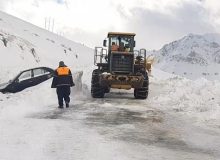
(40, 75)
(23, 81)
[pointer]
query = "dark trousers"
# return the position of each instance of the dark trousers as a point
(63, 92)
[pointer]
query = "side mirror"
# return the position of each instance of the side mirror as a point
(105, 43)
(134, 43)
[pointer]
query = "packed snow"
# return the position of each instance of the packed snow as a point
(179, 120)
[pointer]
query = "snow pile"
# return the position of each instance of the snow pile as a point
(23, 46)
(194, 98)
(31, 100)
(193, 56)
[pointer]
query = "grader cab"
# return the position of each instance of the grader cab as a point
(119, 66)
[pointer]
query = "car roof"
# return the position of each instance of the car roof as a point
(52, 71)
(37, 68)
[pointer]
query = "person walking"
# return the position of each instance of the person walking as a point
(62, 81)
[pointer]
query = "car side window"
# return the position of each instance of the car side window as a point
(25, 75)
(39, 72)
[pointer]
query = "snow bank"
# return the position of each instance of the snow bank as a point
(198, 98)
(29, 46)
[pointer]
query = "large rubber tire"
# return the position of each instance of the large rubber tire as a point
(142, 93)
(96, 90)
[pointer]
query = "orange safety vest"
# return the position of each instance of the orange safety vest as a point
(63, 71)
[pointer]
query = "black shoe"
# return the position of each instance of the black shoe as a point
(67, 105)
(60, 106)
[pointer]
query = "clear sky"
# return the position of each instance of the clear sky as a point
(156, 22)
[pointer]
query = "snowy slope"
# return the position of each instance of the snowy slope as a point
(193, 56)
(29, 46)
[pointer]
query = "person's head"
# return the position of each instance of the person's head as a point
(113, 43)
(61, 64)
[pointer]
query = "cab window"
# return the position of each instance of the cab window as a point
(124, 42)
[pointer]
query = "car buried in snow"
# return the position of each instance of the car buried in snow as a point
(27, 78)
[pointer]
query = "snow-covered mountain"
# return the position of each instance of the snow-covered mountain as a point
(193, 56)
(23, 46)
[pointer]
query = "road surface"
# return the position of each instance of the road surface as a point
(117, 127)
